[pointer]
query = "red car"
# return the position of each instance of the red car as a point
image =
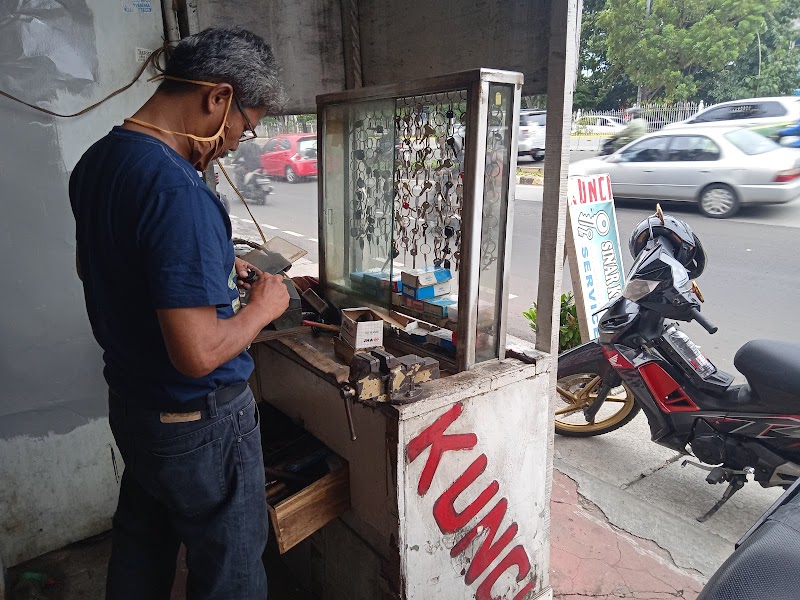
(291, 155)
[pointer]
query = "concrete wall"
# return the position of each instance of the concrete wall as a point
(400, 40)
(59, 478)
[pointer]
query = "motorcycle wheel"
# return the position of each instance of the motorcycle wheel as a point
(576, 392)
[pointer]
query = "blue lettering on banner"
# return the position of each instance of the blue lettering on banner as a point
(142, 6)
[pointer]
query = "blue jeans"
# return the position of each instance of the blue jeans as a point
(199, 482)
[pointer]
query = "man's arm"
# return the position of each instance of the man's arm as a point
(198, 342)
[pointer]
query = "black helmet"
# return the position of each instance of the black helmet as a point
(686, 246)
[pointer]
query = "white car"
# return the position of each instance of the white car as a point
(598, 125)
(532, 130)
(720, 168)
(752, 112)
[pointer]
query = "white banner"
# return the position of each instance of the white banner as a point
(597, 253)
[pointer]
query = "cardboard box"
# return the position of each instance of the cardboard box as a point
(417, 305)
(383, 281)
(419, 331)
(439, 307)
(442, 338)
(428, 291)
(426, 276)
(362, 328)
(358, 276)
(398, 299)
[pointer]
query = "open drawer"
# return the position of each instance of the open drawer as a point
(303, 513)
(308, 485)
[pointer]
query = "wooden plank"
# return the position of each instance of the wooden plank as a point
(310, 509)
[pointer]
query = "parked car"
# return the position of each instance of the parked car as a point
(599, 125)
(531, 133)
(720, 168)
(291, 155)
(751, 112)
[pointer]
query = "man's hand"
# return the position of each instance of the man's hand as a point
(241, 271)
(198, 342)
(268, 296)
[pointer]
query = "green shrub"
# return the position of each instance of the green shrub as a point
(569, 332)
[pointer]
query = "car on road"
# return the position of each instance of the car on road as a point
(598, 125)
(720, 168)
(292, 156)
(530, 141)
(752, 112)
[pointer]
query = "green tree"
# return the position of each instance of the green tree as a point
(600, 85)
(680, 39)
(770, 66)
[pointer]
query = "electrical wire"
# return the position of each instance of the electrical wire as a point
(247, 206)
(153, 59)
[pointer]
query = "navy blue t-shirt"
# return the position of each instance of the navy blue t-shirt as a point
(150, 235)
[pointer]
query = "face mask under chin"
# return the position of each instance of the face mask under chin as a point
(202, 154)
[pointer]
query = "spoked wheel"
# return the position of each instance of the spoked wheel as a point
(291, 176)
(576, 392)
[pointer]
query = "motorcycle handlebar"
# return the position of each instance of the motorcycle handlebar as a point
(703, 322)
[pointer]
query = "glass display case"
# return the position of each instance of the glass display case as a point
(415, 183)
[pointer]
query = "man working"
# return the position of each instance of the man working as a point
(160, 280)
(634, 129)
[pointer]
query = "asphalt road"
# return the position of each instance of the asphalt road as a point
(750, 285)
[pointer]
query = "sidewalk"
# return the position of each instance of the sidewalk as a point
(590, 559)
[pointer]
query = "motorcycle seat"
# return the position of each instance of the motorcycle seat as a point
(772, 369)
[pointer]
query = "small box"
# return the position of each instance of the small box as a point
(383, 281)
(418, 332)
(362, 328)
(358, 276)
(443, 338)
(398, 299)
(440, 307)
(425, 276)
(428, 291)
(413, 304)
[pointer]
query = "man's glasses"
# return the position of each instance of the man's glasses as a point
(250, 132)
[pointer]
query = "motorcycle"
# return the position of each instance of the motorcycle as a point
(607, 148)
(643, 361)
(256, 186)
(788, 137)
(764, 564)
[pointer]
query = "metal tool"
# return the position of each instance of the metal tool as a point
(377, 376)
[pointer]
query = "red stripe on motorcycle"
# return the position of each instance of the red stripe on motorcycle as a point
(667, 392)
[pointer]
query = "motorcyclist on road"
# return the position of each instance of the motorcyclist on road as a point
(792, 130)
(635, 128)
(247, 160)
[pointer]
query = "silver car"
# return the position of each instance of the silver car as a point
(720, 168)
(750, 112)
(532, 128)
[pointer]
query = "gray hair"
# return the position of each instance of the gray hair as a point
(234, 56)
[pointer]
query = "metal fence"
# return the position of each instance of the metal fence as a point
(288, 124)
(657, 114)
